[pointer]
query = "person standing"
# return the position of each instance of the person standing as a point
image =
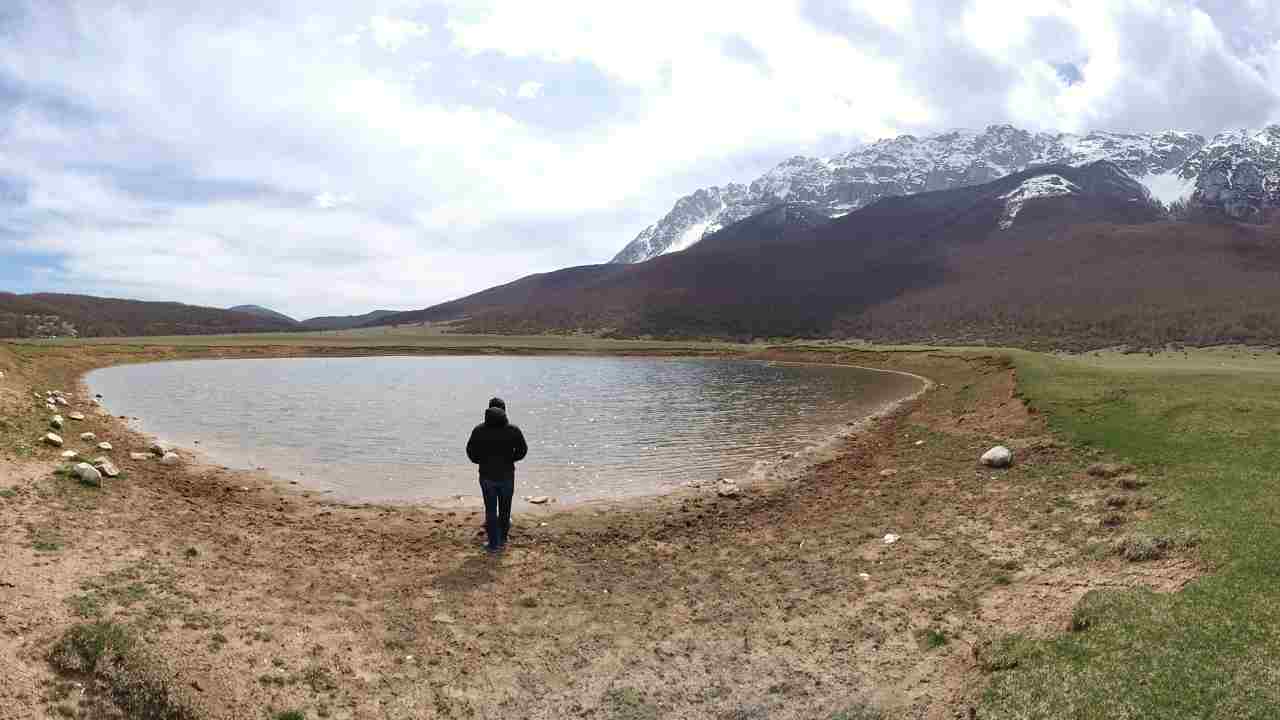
(496, 446)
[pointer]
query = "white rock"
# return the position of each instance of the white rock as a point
(890, 538)
(888, 472)
(88, 436)
(69, 454)
(170, 459)
(76, 416)
(864, 576)
(106, 467)
(539, 500)
(60, 400)
(140, 456)
(104, 446)
(728, 488)
(88, 474)
(56, 422)
(919, 443)
(53, 439)
(997, 457)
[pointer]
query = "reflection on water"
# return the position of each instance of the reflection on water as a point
(393, 428)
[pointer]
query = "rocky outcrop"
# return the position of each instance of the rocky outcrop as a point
(907, 164)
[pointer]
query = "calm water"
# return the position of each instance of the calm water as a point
(393, 429)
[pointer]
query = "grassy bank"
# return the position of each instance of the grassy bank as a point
(1202, 426)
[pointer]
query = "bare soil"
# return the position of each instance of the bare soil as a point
(249, 597)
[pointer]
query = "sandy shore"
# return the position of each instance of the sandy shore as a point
(213, 593)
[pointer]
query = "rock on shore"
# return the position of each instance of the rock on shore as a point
(997, 457)
(53, 439)
(88, 474)
(170, 458)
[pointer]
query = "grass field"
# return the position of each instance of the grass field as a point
(1200, 425)
(1203, 426)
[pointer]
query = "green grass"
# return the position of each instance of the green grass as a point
(1204, 431)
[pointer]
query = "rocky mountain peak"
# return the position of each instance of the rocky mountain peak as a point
(1167, 163)
(1234, 173)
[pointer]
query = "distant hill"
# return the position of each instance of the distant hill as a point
(43, 314)
(263, 312)
(344, 322)
(1056, 256)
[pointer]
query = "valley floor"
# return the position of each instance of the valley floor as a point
(194, 591)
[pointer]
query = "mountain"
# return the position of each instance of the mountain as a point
(344, 322)
(1169, 163)
(263, 312)
(1056, 256)
(49, 314)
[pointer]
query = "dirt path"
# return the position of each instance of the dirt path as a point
(246, 600)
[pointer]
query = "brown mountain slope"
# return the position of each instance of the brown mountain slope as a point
(96, 316)
(1092, 266)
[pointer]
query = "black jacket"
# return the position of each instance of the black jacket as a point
(496, 446)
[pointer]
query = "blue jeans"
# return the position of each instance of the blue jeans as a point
(497, 509)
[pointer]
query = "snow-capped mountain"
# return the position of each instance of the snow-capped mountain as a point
(1167, 163)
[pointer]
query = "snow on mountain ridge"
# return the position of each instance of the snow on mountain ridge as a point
(1168, 163)
(1039, 186)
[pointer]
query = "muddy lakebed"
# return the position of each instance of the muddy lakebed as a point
(393, 429)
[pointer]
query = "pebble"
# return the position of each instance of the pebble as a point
(890, 538)
(104, 446)
(87, 436)
(53, 439)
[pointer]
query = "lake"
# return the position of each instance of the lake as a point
(393, 429)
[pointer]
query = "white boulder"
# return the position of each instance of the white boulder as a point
(106, 467)
(70, 454)
(728, 488)
(170, 458)
(88, 474)
(88, 436)
(104, 446)
(53, 439)
(997, 457)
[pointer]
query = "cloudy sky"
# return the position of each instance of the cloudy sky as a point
(323, 157)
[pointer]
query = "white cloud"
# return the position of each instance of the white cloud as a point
(392, 33)
(150, 140)
(529, 89)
